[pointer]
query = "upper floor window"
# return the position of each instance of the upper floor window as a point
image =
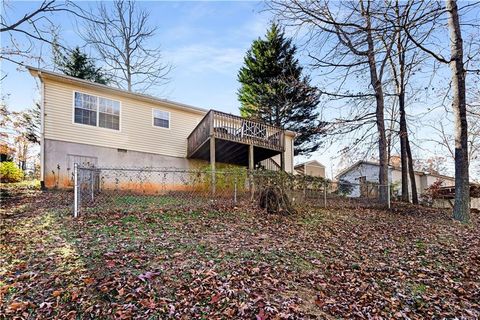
(109, 114)
(161, 118)
(96, 111)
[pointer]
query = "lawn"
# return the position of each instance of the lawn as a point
(239, 263)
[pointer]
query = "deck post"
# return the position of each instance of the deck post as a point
(212, 163)
(282, 160)
(251, 167)
(251, 164)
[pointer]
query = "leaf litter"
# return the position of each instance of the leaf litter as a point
(407, 263)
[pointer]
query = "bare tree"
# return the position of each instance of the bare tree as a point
(20, 35)
(404, 59)
(445, 139)
(120, 35)
(456, 61)
(19, 133)
(348, 37)
(461, 210)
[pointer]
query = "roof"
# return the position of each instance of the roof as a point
(45, 74)
(373, 163)
(313, 163)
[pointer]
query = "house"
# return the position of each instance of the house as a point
(310, 168)
(445, 197)
(89, 123)
(365, 173)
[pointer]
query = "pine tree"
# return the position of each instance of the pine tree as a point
(78, 64)
(273, 89)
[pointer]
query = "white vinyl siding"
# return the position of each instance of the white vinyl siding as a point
(161, 118)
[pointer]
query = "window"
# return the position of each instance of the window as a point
(85, 109)
(161, 119)
(109, 114)
(97, 111)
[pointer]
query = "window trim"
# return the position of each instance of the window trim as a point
(96, 126)
(169, 119)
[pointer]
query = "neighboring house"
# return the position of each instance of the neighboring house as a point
(310, 168)
(446, 197)
(364, 173)
(89, 123)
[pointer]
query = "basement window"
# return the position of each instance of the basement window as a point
(161, 118)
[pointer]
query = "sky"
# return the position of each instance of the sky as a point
(205, 43)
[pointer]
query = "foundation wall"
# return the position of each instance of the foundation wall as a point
(60, 157)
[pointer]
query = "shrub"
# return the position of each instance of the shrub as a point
(345, 187)
(9, 172)
(432, 192)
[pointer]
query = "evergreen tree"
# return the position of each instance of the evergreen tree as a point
(274, 91)
(78, 64)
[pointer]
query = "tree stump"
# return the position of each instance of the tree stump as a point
(274, 200)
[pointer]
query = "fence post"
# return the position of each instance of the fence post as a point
(388, 195)
(214, 183)
(251, 185)
(235, 191)
(76, 186)
(92, 177)
(325, 193)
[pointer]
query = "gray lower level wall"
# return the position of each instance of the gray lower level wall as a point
(60, 157)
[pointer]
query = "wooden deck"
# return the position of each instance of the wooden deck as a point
(232, 139)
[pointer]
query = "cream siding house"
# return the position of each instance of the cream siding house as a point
(310, 168)
(89, 123)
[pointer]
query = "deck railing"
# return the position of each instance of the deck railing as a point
(237, 129)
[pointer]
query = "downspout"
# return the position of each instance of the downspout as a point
(42, 132)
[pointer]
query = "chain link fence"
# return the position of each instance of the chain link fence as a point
(107, 189)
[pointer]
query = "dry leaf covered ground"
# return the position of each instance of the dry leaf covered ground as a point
(405, 263)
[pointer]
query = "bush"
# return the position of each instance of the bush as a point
(345, 187)
(9, 172)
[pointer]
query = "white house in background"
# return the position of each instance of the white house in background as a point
(363, 173)
(310, 168)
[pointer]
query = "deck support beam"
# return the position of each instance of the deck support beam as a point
(251, 164)
(251, 167)
(212, 162)
(282, 161)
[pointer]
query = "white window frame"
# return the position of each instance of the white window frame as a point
(169, 119)
(97, 126)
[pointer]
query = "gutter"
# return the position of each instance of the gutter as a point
(42, 131)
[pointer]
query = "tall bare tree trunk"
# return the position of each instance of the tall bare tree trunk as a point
(399, 77)
(461, 210)
(411, 172)
(403, 148)
(377, 85)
